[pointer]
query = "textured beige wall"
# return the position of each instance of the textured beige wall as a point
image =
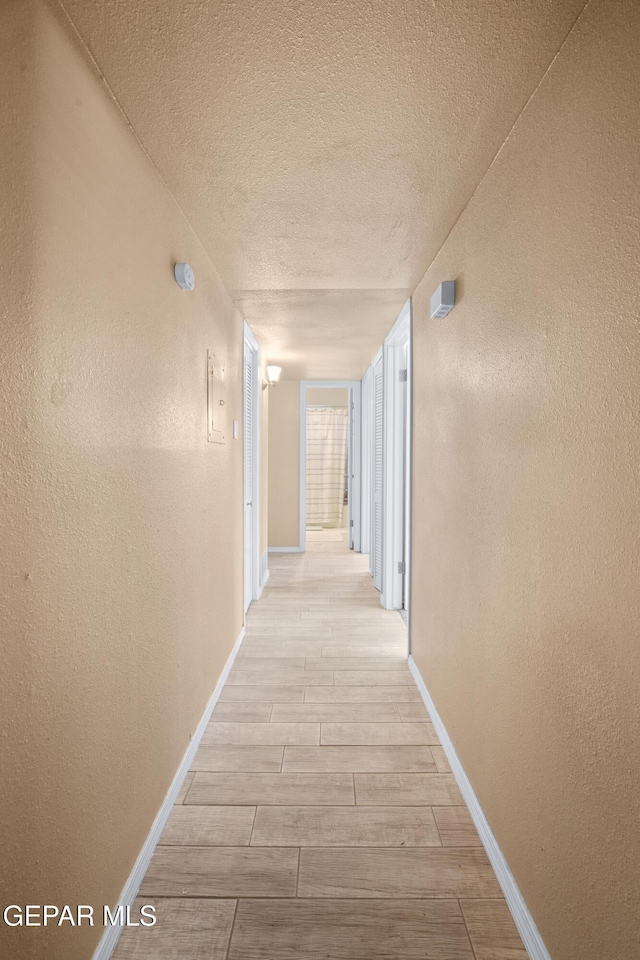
(121, 526)
(527, 455)
(284, 464)
(328, 396)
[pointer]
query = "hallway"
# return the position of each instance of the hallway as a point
(319, 819)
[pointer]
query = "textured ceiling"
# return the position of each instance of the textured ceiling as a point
(322, 150)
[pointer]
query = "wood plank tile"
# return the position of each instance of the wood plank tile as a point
(245, 674)
(440, 759)
(357, 663)
(349, 631)
(364, 650)
(349, 930)
(314, 631)
(188, 929)
(304, 644)
(319, 613)
(211, 756)
(374, 734)
(291, 601)
(271, 644)
(345, 827)
(271, 664)
(387, 872)
(493, 933)
(283, 652)
(256, 692)
(221, 872)
(259, 616)
(413, 712)
(279, 788)
(262, 734)
(456, 827)
(371, 694)
(184, 789)
(241, 712)
(370, 678)
(357, 759)
(406, 789)
(343, 600)
(322, 659)
(335, 712)
(208, 826)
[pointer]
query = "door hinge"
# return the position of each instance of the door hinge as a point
(351, 524)
(402, 567)
(402, 376)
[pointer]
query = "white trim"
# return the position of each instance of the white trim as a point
(395, 353)
(399, 333)
(248, 333)
(525, 923)
(355, 466)
(251, 344)
(302, 512)
(285, 550)
(264, 569)
(408, 552)
(366, 422)
(263, 585)
(111, 935)
(354, 489)
(377, 359)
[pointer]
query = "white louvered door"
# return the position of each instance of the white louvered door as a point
(376, 512)
(249, 444)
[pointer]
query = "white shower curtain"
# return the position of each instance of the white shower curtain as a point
(326, 465)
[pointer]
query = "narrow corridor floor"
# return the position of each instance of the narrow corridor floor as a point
(320, 820)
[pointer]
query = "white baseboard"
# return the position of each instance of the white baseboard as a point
(111, 935)
(263, 585)
(525, 923)
(286, 550)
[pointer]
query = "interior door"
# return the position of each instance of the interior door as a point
(350, 476)
(376, 512)
(404, 399)
(249, 469)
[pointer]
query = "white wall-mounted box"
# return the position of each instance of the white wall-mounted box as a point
(443, 299)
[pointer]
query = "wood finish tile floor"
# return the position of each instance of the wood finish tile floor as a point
(320, 820)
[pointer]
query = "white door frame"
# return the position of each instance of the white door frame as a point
(409, 476)
(366, 421)
(354, 386)
(251, 346)
(372, 479)
(396, 357)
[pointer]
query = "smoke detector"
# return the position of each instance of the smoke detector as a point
(184, 276)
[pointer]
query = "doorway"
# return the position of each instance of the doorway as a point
(330, 463)
(327, 466)
(251, 468)
(386, 467)
(396, 474)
